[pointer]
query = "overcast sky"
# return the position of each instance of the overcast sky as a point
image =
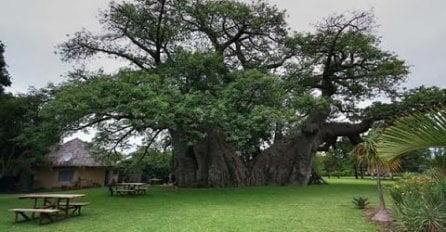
(30, 29)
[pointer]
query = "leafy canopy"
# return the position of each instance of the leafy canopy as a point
(226, 65)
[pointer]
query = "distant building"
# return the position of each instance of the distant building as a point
(73, 165)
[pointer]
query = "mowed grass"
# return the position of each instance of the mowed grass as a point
(269, 208)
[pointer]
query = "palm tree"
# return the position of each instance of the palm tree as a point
(416, 131)
(366, 151)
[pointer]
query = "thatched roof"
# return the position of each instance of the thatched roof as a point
(75, 153)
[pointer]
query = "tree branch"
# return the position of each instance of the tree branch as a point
(159, 37)
(122, 55)
(152, 53)
(146, 149)
(120, 139)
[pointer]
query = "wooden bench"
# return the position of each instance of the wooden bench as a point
(43, 213)
(142, 189)
(77, 206)
(125, 191)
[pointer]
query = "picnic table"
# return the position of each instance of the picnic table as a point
(50, 205)
(155, 181)
(131, 189)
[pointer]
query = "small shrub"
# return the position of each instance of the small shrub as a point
(420, 202)
(360, 202)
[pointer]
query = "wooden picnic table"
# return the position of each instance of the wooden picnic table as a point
(155, 181)
(131, 184)
(130, 188)
(49, 204)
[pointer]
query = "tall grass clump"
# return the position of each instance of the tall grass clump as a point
(420, 202)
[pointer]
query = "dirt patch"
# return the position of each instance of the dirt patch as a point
(384, 226)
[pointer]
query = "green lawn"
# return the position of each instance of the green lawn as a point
(313, 208)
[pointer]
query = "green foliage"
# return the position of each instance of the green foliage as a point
(339, 161)
(414, 100)
(360, 202)
(349, 64)
(196, 73)
(191, 91)
(318, 165)
(225, 65)
(416, 161)
(367, 152)
(120, 106)
(420, 202)
(252, 107)
(159, 165)
(4, 75)
(25, 136)
(141, 32)
(249, 35)
(422, 99)
(153, 164)
(439, 160)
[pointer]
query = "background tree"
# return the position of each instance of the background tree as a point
(339, 162)
(154, 164)
(4, 75)
(416, 161)
(414, 100)
(439, 160)
(25, 136)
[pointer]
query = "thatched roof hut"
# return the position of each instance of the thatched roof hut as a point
(76, 153)
(74, 164)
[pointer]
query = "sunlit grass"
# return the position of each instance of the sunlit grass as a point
(269, 208)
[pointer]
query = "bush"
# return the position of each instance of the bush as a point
(158, 165)
(360, 202)
(155, 164)
(420, 202)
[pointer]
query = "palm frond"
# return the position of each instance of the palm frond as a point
(419, 130)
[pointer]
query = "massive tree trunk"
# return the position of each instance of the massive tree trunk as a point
(286, 162)
(289, 161)
(185, 162)
(210, 162)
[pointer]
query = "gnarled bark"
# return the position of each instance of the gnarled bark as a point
(288, 162)
(185, 163)
(211, 162)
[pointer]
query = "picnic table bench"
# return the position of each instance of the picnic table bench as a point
(142, 189)
(77, 206)
(52, 206)
(155, 181)
(129, 189)
(43, 213)
(125, 191)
